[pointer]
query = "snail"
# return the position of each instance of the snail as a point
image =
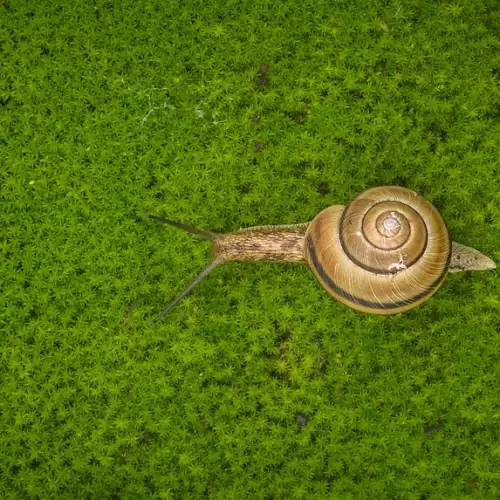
(388, 251)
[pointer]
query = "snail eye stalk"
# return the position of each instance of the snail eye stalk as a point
(216, 262)
(208, 235)
(197, 280)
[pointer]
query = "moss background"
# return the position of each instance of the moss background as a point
(258, 385)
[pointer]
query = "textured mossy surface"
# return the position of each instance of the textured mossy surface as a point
(258, 385)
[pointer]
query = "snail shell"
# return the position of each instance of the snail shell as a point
(386, 252)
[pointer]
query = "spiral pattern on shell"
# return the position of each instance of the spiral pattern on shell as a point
(386, 252)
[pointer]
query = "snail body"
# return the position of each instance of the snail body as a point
(388, 251)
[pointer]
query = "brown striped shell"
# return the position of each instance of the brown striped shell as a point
(386, 252)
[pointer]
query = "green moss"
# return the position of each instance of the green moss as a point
(257, 385)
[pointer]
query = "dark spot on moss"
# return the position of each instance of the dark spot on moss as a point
(33, 313)
(323, 366)
(277, 375)
(401, 181)
(149, 436)
(438, 201)
(5, 100)
(302, 165)
(150, 485)
(152, 182)
(356, 94)
(298, 117)
(437, 130)
(380, 66)
(245, 188)
(261, 79)
(301, 419)
(431, 430)
(282, 337)
(34, 464)
(259, 146)
(494, 111)
(115, 495)
(323, 188)
(472, 485)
